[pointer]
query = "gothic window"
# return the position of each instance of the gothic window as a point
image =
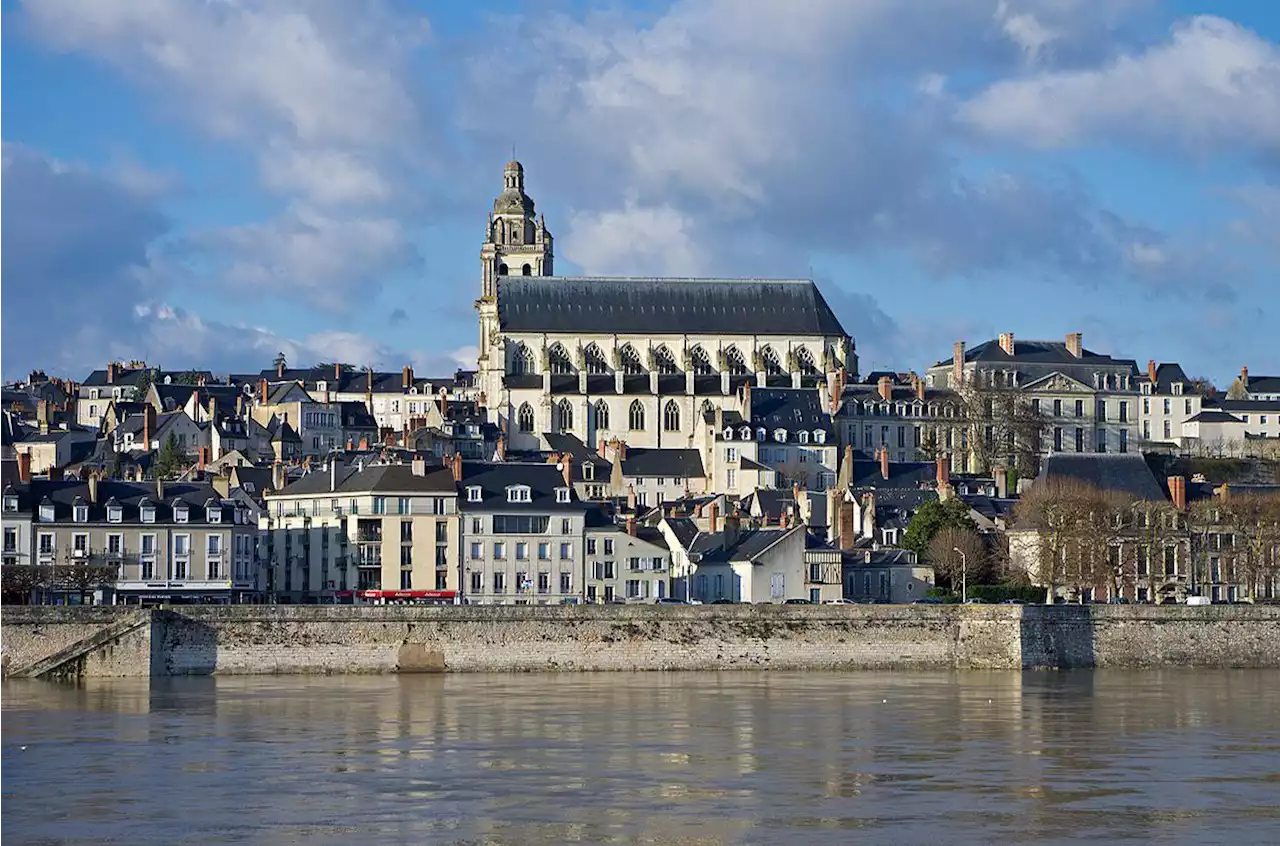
(804, 362)
(671, 417)
(630, 360)
(699, 361)
(602, 414)
(635, 416)
(558, 360)
(596, 364)
(524, 418)
(733, 362)
(664, 362)
(769, 362)
(564, 415)
(522, 362)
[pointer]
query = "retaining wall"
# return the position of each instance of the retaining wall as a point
(336, 639)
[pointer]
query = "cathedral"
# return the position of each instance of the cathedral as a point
(643, 360)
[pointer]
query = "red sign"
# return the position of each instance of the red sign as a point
(407, 594)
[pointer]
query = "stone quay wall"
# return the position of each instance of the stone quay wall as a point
(266, 639)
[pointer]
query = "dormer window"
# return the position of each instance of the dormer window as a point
(46, 512)
(1177, 389)
(728, 433)
(588, 471)
(322, 385)
(761, 434)
(780, 435)
(180, 513)
(745, 433)
(115, 514)
(213, 514)
(819, 437)
(804, 437)
(1146, 388)
(10, 502)
(519, 493)
(147, 511)
(562, 495)
(80, 513)
(474, 493)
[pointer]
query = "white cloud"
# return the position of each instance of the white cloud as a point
(634, 241)
(1213, 85)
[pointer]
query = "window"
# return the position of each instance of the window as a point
(46, 543)
(777, 585)
(595, 361)
(566, 551)
(731, 479)
(1124, 440)
(474, 494)
(46, 512)
(147, 545)
(566, 583)
(403, 506)
(562, 494)
(1102, 440)
(522, 551)
(591, 546)
(544, 551)
(1079, 439)
(519, 493)
(544, 583)
(1124, 412)
(630, 360)
(608, 546)
(671, 417)
(566, 526)
(1079, 408)
(804, 361)
(379, 505)
(81, 513)
(499, 582)
(769, 362)
(1057, 408)
(780, 435)
(635, 416)
(1035, 406)
(10, 503)
(564, 415)
(699, 362)
(477, 582)
(406, 556)
(477, 525)
(215, 544)
(181, 545)
(730, 454)
(602, 414)
(524, 418)
(634, 562)
(732, 361)
(180, 514)
(522, 363)
(1168, 429)
(558, 360)
(663, 361)
(406, 580)
(1057, 439)
(11, 539)
(499, 550)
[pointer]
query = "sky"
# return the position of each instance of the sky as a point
(208, 182)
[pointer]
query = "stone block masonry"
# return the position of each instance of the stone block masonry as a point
(231, 640)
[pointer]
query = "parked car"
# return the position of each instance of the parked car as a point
(927, 600)
(796, 602)
(839, 602)
(975, 601)
(1197, 600)
(1013, 602)
(669, 600)
(722, 601)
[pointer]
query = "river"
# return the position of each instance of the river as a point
(794, 758)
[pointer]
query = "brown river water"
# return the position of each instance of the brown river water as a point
(689, 758)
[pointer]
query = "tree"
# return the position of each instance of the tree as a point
(170, 460)
(1254, 521)
(186, 377)
(933, 517)
(1004, 428)
(1051, 509)
(144, 384)
(20, 581)
(954, 551)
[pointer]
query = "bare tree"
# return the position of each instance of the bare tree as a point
(954, 551)
(1004, 428)
(1051, 509)
(1254, 521)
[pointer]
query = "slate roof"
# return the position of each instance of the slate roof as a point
(1245, 406)
(494, 479)
(1264, 384)
(665, 306)
(181, 394)
(902, 474)
(130, 496)
(793, 409)
(1037, 352)
(385, 478)
(1166, 375)
(98, 378)
(750, 544)
(675, 463)
(1211, 416)
(1125, 473)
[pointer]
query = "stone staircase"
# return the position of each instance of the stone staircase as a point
(72, 652)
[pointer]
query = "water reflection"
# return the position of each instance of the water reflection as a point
(652, 758)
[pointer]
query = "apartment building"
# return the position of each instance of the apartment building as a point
(626, 563)
(377, 533)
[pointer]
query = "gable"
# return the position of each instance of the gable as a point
(1058, 383)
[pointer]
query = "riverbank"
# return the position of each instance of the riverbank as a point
(251, 640)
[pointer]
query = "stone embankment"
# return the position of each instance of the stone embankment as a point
(239, 640)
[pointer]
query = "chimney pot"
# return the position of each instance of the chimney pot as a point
(1244, 377)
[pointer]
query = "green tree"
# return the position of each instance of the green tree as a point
(170, 460)
(144, 384)
(186, 377)
(933, 517)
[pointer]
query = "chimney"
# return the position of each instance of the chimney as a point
(884, 462)
(148, 425)
(239, 406)
(732, 528)
(280, 369)
(111, 373)
(622, 450)
(1075, 344)
(631, 498)
(262, 390)
(1002, 482)
(277, 476)
(957, 364)
(845, 517)
(944, 471)
(847, 468)
(444, 402)
(159, 489)
(1244, 377)
(785, 520)
(337, 373)
(42, 416)
(713, 519)
(213, 409)
(886, 388)
(601, 450)
(1151, 370)
(1178, 492)
(631, 526)
(746, 401)
(195, 405)
(406, 377)
(566, 470)
(419, 466)
(502, 448)
(457, 467)
(1006, 342)
(364, 443)
(24, 467)
(202, 456)
(93, 488)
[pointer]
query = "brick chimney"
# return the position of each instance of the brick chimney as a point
(262, 390)
(847, 468)
(957, 364)
(280, 370)
(1178, 492)
(202, 456)
(444, 402)
(917, 385)
(195, 405)
(631, 526)
(602, 449)
(111, 373)
(631, 498)
(24, 467)
(886, 388)
(943, 470)
(713, 517)
(1075, 344)
(1244, 377)
(213, 409)
(1006, 342)
(845, 514)
(148, 425)
(42, 416)
(457, 467)
(883, 454)
(406, 378)
(337, 372)
(566, 470)
(622, 450)
(746, 401)
(502, 448)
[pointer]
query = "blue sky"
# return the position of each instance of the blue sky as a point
(210, 182)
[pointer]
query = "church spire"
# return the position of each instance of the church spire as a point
(517, 242)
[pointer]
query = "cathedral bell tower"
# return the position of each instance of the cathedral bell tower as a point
(517, 242)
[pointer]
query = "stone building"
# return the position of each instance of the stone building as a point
(630, 563)
(637, 359)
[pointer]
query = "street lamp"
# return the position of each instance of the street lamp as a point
(964, 574)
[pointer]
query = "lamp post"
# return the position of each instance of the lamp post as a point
(964, 574)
